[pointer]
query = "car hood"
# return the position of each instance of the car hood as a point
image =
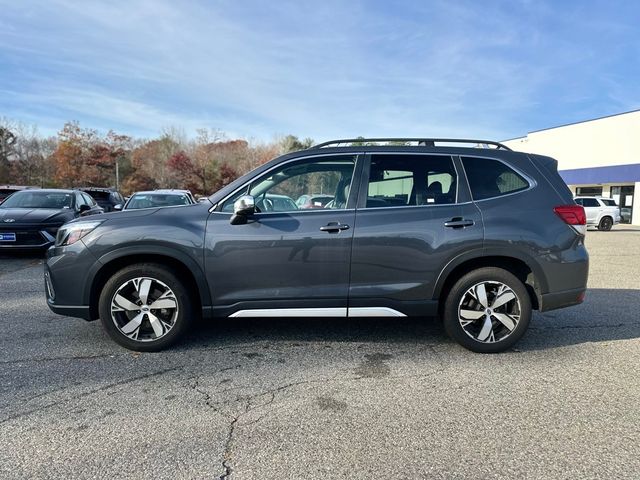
(34, 215)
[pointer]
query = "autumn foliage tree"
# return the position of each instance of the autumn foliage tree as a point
(83, 157)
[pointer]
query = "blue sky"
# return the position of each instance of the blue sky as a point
(323, 69)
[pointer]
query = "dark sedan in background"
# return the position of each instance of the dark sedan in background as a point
(30, 219)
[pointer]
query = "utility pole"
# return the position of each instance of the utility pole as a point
(118, 174)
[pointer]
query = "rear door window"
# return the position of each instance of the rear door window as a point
(590, 202)
(411, 180)
(492, 178)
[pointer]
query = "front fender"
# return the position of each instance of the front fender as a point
(148, 250)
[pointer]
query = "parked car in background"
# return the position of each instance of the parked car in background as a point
(6, 190)
(313, 201)
(158, 199)
(272, 202)
(481, 236)
(602, 213)
(30, 219)
(107, 198)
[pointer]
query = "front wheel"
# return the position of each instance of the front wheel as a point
(145, 307)
(605, 224)
(487, 310)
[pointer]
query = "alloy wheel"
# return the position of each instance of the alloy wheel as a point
(144, 309)
(489, 311)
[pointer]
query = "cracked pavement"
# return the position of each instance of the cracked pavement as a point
(326, 398)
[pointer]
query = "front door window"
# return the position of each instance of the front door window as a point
(317, 183)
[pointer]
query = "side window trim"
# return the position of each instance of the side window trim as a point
(531, 181)
(366, 171)
(246, 187)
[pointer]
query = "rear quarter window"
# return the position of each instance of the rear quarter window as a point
(492, 178)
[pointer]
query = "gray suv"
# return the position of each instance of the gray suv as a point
(465, 229)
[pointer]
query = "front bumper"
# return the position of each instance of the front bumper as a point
(27, 238)
(66, 273)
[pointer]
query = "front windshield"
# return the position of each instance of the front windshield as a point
(31, 199)
(154, 200)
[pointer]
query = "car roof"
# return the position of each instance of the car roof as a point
(52, 190)
(97, 189)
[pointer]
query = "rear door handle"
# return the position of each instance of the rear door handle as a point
(459, 223)
(334, 227)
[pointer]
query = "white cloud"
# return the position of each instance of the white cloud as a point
(319, 69)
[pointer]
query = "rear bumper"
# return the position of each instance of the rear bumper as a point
(566, 298)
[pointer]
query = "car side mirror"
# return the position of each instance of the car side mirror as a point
(243, 208)
(118, 207)
(84, 209)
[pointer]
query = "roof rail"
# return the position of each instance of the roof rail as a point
(421, 142)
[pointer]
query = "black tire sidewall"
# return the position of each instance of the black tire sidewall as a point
(165, 275)
(605, 224)
(450, 314)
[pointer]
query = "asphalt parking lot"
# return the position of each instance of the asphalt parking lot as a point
(306, 398)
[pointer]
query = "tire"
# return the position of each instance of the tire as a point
(605, 224)
(145, 329)
(508, 319)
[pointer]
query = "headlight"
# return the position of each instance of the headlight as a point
(72, 232)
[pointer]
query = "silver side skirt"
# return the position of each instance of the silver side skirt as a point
(374, 312)
(319, 312)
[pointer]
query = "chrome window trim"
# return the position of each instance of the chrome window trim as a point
(317, 154)
(532, 182)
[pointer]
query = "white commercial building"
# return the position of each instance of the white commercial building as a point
(595, 157)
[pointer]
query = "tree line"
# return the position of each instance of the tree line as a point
(82, 157)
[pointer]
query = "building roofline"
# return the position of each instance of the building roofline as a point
(572, 123)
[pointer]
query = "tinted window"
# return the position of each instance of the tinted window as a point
(100, 196)
(609, 202)
(411, 180)
(326, 179)
(590, 202)
(491, 178)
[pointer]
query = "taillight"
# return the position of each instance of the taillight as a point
(573, 215)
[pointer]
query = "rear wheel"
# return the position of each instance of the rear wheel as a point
(145, 307)
(605, 224)
(487, 310)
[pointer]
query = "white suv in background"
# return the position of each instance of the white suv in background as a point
(601, 212)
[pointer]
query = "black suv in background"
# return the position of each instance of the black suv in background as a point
(107, 198)
(466, 229)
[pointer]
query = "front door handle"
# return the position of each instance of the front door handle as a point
(459, 222)
(334, 227)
